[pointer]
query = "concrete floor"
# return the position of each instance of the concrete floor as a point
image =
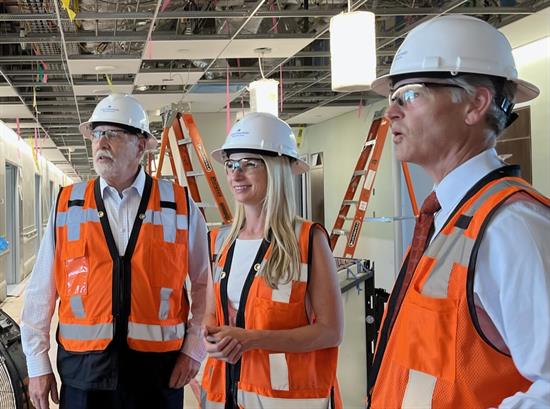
(13, 305)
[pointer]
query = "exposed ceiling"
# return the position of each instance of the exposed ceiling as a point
(166, 51)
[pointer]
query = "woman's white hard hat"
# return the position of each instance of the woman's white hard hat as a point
(262, 133)
(120, 109)
(455, 44)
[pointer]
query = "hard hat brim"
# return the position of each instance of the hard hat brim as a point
(525, 90)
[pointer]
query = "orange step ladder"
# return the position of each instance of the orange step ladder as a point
(180, 129)
(362, 180)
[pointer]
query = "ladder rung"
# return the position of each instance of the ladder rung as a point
(171, 177)
(194, 173)
(340, 232)
(359, 173)
(185, 141)
(350, 202)
(204, 204)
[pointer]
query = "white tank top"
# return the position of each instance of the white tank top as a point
(243, 257)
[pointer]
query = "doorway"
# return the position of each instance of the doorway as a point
(38, 209)
(13, 226)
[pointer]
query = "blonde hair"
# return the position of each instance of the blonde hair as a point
(279, 208)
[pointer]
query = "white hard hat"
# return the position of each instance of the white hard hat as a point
(124, 110)
(455, 44)
(263, 133)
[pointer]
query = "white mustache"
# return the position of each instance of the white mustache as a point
(104, 153)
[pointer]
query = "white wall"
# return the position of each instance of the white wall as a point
(530, 38)
(19, 154)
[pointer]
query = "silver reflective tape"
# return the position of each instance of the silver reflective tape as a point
(181, 222)
(278, 372)
(164, 307)
(77, 192)
(446, 250)
(223, 232)
(74, 218)
(86, 332)
(77, 307)
(251, 400)
(151, 332)
(168, 218)
(490, 192)
(166, 189)
(419, 391)
(87, 215)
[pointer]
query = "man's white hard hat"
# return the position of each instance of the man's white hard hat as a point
(262, 133)
(119, 109)
(452, 45)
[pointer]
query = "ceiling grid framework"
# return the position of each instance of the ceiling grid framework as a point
(193, 45)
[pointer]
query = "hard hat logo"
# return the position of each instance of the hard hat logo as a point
(122, 110)
(452, 45)
(262, 133)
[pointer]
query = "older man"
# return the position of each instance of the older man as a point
(117, 253)
(467, 324)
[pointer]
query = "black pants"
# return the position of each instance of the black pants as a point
(124, 398)
(138, 380)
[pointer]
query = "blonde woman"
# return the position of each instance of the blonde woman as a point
(274, 325)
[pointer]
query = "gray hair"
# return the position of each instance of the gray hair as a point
(496, 118)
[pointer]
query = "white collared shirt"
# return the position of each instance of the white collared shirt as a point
(41, 296)
(512, 280)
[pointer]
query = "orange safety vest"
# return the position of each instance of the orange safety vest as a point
(138, 298)
(437, 355)
(262, 378)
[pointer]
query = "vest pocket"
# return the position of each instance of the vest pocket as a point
(426, 335)
(76, 270)
(166, 261)
(269, 314)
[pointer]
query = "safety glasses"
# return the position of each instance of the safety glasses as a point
(413, 93)
(110, 134)
(245, 165)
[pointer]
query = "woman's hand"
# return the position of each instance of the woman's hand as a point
(225, 343)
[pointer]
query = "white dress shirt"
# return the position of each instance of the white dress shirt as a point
(512, 280)
(41, 295)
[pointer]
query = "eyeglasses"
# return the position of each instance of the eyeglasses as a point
(412, 93)
(110, 134)
(245, 165)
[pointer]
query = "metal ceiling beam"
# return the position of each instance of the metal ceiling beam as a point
(311, 13)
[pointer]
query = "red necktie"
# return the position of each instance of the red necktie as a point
(422, 231)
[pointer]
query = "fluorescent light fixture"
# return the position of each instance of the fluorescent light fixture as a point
(264, 96)
(104, 68)
(352, 51)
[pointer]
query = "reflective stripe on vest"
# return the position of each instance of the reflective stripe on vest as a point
(251, 400)
(435, 356)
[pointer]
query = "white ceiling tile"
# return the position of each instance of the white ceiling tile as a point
(7, 91)
(185, 50)
(102, 89)
(207, 49)
(319, 114)
(104, 66)
(280, 48)
(167, 78)
(14, 111)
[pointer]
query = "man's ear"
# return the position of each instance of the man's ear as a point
(478, 106)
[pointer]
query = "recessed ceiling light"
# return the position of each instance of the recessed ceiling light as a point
(100, 91)
(142, 87)
(105, 68)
